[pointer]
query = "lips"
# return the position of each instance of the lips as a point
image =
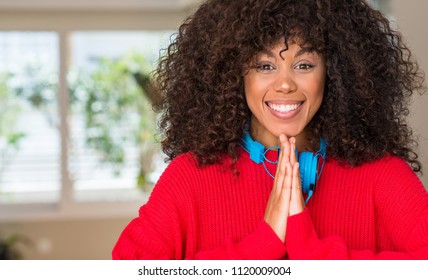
(284, 109)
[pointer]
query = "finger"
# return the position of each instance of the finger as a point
(284, 157)
(296, 201)
(293, 157)
(285, 146)
(296, 184)
(287, 185)
(280, 169)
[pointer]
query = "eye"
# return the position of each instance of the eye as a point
(304, 66)
(264, 67)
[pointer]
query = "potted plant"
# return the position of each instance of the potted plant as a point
(8, 246)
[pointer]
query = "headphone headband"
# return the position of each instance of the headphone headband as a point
(308, 161)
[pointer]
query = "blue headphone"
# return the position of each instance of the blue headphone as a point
(308, 161)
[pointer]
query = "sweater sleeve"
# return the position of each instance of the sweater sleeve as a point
(153, 234)
(401, 205)
(262, 244)
(167, 227)
(148, 238)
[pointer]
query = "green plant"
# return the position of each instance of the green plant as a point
(8, 246)
(33, 84)
(10, 111)
(117, 110)
(38, 85)
(114, 100)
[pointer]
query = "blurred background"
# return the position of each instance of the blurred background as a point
(78, 148)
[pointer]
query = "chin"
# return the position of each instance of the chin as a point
(289, 132)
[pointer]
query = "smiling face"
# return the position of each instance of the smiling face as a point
(284, 90)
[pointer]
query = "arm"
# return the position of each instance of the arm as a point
(167, 228)
(262, 244)
(401, 205)
(152, 236)
(139, 241)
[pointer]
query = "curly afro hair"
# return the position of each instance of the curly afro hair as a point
(370, 77)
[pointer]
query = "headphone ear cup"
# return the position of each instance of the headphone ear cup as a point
(308, 171)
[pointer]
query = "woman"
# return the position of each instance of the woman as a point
(245, 80)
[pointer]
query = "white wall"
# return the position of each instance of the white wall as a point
(94, 238)
(412, 20)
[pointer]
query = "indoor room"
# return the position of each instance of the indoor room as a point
(79, 145)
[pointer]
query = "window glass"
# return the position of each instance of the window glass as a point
(29, 123)
(383, 5)
(113, 145)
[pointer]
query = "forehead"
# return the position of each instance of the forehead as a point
(284, 44)
(281, 49)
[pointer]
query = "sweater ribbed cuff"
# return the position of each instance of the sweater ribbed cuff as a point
(300, 235)
(263, 244)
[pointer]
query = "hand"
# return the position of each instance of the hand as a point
(286, 196)
(297, 203)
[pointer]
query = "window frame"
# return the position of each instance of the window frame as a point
(64, 23)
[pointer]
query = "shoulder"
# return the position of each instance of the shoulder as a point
(185, 170)
(391, 168)
(181, 171)
(185, 180)
(395, 172)
(393, 175)
(187, 164)
(390, 162)
(385, 165)
(184, 163)
(173, 189)
(386, 172)
(388, 182)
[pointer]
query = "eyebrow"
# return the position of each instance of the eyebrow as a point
(300, 52)
(304, 50)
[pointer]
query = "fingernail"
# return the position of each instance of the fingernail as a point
(282, 138)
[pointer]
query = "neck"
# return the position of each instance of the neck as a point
(270, 140)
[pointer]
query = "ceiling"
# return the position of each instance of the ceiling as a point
(25, 5)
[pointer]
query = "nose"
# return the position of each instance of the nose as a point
(285, 83)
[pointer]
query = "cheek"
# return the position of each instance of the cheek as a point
(247, 86)
(253, 89)
(317, 100)
(315, 94)
(317, 104)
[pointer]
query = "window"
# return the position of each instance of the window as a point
(112, 144)
(77, 133)
(382, 5)
(29, 135)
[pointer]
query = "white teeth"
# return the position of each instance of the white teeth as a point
(282, 108)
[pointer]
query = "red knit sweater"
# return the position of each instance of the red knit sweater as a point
(376, 211)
